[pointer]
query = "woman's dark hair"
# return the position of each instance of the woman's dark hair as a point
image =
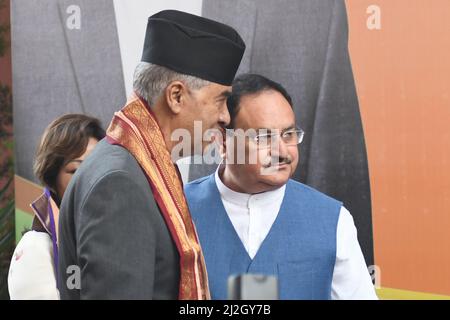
(65, 139)
(247, 84)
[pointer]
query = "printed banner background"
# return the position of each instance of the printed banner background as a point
(401, 73)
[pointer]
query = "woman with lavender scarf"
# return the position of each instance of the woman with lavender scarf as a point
(63, 147)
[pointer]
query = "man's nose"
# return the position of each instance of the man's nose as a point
(279, 149)
(224, 117)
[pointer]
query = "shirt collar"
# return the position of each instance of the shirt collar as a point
(243, 199)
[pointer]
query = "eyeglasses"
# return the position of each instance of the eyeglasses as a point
(290, 137)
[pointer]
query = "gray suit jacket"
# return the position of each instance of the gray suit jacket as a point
(59, 70)
(111, 228)
(303, 44)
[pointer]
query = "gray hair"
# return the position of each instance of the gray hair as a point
(150, 81)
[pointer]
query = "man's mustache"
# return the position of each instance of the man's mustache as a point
(274, 161)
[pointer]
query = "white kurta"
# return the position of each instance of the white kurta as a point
(31, 273)
(252, 217)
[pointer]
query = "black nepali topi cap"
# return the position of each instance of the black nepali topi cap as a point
(193, 45)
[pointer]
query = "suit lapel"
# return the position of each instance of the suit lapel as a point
(94, 54)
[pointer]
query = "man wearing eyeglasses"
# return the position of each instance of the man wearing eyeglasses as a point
(252, 218)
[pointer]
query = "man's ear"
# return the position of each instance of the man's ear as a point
(176, 94)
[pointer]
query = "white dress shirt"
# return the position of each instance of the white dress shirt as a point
(253, 215)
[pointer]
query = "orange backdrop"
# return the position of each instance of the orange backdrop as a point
(402, 74)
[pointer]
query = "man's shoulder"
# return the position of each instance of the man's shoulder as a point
(198, 190)
(198, 181)
(298, 187)
(106, 164)
(108, 160)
